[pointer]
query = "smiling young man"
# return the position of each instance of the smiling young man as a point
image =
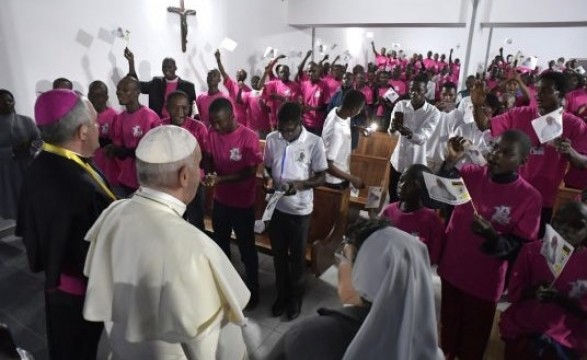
(295, 161)
(482, 235)
(159, 87)
(547, 163)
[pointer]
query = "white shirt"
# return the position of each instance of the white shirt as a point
(336, 135)
(161, 286)
(296, 160)
(437, 143)
(422, 123)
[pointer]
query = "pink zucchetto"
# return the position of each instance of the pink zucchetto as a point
(52, 105)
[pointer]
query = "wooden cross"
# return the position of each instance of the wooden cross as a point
(183, 14)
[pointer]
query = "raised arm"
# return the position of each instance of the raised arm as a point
(220, 66)
(268, 70)
(478, 95)
(303, 64)
(374, 49)
(130, 57)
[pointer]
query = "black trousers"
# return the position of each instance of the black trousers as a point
(288, 235)
(393, 181)
(242, 221)
(194, 212)
(545, 218)
(69, 336)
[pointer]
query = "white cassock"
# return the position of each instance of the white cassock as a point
(162, 287)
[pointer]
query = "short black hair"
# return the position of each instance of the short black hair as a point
(62, 80)
(177, 93)
(422, 78)
(559, 80)
(220, 104)
(289, 112)
(168, 59)
(449, 85)
(97, 83)
(353, 99)
(417, 170)
(6, 92)
(520, 138)
(492, 100)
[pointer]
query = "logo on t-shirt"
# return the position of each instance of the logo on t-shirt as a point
(104, 129)
(579, 289)
(286, 92)
(137, 131)
(301, 157)
(502, 215)
(235, 154)
(317, 94)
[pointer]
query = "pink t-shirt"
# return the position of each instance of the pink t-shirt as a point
(575, 100)
(429, 64)
(128, 130)
(314, 94)
(423, 223)
(289, 90)
(368, 92)
(170, 86)
(399, 87)
(108, 166)
(203, 102)
(240, 110)
(257, 110)
(332, 84)
(232, 153)
(381, 61)
(512, 208)
(381, 108)
(546, 167)
(530, 316)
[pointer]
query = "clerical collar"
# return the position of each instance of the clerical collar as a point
(160, 197)
(504, 178)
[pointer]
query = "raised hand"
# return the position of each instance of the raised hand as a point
(478, 93)
(217, 54)
(129, 55)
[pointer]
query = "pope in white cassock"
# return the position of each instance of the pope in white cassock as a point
(162, 287)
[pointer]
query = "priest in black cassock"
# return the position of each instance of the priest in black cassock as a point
(62, 195)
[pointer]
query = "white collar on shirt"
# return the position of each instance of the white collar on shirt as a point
(301, 138)
(424, 107)
(163, 198)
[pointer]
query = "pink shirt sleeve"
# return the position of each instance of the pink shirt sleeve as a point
(502, 123)
(231, 86)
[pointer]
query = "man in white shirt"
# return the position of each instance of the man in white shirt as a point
(163, 288)
(295, 163)
(336, 135)
(414, 120)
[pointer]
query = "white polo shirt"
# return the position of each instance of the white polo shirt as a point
(422, 123)
(297, 160)
(336, 135)
(437, 143)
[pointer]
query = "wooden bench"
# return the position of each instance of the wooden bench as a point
(374, 171)
(563, 196)
(377, 144)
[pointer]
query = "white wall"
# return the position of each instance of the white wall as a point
(41, 40)
(537, 10)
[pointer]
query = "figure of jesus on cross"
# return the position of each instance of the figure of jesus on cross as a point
(183, 14)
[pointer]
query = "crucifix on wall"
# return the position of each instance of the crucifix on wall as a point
(183, 14)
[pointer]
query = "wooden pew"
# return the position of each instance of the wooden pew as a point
(563, 196)
(378, 144)
(374, 171)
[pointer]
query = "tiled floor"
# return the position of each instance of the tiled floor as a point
(22, 304)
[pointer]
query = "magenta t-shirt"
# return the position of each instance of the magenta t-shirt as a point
(530, 316)
(314, 94)
(381, 61)
(332, 84)
(423, 223)
(381, 108)
(128, 130)
(108, 166)
(368, 92)
(575, 100)
(240, 110)
(512, 208)
(257, 110)
(546, 167)
(232, 153)
(289, 90)
(203, 102)
(399, 87)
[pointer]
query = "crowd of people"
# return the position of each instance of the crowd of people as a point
(111, 207)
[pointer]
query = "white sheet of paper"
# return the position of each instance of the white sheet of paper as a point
(228, 44)
(550, 126)
(354, 192)
(271, 203)
(268, 52)
(369, 35)
(373, 197)
(391, 95)
(555, 250)
(445, 190)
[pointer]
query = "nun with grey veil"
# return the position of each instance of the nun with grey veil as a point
(393, 316)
